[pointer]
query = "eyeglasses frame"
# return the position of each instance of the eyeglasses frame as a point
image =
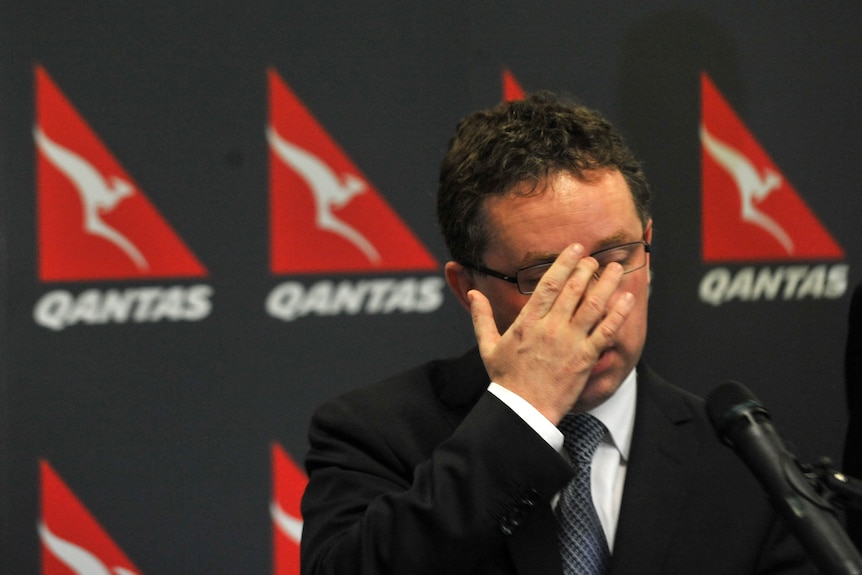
(514, 279)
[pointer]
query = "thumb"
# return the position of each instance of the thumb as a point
(484, 326)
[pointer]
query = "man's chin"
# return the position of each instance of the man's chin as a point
(593, 396)
(604, 381)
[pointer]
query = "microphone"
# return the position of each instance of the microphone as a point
(743, 423)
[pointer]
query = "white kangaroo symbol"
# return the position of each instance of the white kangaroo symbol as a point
(286, 523)
(328, 189)
(749, 183)
(97, 195)
(76, 558)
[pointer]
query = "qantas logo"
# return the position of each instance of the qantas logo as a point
(330, 192)
(95, 223)
(288, 485)
(327, 218)
(97, 196)
(72, 540)
(753, 187)
(751, 213)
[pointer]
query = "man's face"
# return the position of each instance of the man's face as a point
(597, 213)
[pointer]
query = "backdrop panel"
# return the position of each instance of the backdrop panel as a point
(172, 315)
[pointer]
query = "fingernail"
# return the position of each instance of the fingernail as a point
(578, 249)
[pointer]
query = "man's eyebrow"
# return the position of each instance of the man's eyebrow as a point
(620, 237)
(537, 258)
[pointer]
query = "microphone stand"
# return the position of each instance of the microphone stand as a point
(828, 489)
(842, 490)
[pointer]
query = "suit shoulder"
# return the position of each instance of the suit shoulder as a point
(432, 378)
(678, 403)
(429, 390)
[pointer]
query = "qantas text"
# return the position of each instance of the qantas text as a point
(292, 300)
(794, 282)
(60, 309)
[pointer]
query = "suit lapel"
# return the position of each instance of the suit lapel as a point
(656, 484)
(656, 488)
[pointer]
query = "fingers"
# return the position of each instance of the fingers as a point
(568, 293)
(566, 288)
(484, 326)
(603, 335)
(594, 304)
(546, 355)
(569, 275)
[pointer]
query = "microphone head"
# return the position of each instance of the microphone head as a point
(729, 402)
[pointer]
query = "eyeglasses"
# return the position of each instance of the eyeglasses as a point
(631, 256)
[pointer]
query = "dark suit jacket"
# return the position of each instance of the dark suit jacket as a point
(427, 472)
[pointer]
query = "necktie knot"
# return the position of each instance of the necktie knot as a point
(582, 433)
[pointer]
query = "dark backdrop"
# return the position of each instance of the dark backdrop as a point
(163, 429)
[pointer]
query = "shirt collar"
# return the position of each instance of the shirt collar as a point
(618, 414)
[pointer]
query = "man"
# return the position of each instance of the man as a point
(458, 466)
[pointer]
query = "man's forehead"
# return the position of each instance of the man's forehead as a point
(600, 214)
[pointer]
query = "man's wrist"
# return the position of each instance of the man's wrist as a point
(532, 416)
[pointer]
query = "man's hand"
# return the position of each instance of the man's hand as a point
(547, 354)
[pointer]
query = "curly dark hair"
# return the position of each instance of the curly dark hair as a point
(494, 151)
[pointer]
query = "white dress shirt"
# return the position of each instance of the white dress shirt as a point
(611, 458)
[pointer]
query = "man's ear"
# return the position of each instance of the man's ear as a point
(460, 280)
(648, 239)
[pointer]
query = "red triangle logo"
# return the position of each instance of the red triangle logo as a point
(72, 540)
(94, 222)
(325, 214)
(512, 90)
(750, 211)
(288, 485)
